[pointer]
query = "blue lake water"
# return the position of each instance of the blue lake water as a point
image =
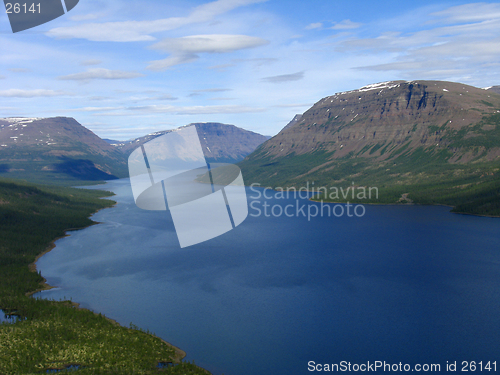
(410, 284)
(7, 318)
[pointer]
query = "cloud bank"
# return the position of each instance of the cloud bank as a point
(186, 49)
(137, 31)
(17, 93)
(101, 73)
(284, 78)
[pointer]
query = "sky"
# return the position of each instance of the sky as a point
(128, 68)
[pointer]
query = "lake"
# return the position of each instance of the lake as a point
(409, 284)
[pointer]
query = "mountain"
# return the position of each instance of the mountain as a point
(495, 89)
(220, 142)
(294, 121)
(111, 141)
(60, 150)
(428, 141)
(56, 149)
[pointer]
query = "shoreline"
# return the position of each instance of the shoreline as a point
(52, 245)
(179, 354)
(380, 203)
(409, 204)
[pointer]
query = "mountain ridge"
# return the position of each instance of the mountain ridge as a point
(237, 144)
(399, 135)
(360, 117)
(61, 150)
(56, 149)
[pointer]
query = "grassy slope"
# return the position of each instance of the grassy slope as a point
(33, 164)
(426, 175)
(473, 189)
(56, 334)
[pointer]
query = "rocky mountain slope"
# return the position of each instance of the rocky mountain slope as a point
(220, 142)
(62, 150)
(294, 121)
(495, 89)
(56, 149)
(405, 137)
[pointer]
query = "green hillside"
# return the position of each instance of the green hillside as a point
(55, 335)
(425, 142)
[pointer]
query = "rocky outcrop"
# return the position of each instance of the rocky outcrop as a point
(399, 113)
(294, 121)
(495, 89)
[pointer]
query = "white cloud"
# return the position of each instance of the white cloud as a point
(98, 98)
(19, 70)
(451, 52)
(317, 25)
(101, 73)
(212, 90)
(208, 43)
(346, 25)
(221, 98)
(163, 97)
(17, 93)
(284, 78)
(186, 49)
(222, 67)
(171, 61)
(140, 98)
(86, 17)
(91, 62)
(295, 105)
(256, 62)
(94, 109)
(475, 12)
(2, 77)
(197, 110)
(134, 31)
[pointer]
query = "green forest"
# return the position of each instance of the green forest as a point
(58, 336)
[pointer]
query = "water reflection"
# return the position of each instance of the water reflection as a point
(9, 317)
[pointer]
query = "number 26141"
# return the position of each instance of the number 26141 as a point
(22, 8)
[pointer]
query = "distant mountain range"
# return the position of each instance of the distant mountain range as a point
(417, 141)
(56, 149)
(433, 141)
(60, 150)
(220, 142)
(495, 89)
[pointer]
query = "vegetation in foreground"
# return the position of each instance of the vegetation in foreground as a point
(419, 177)
(58, 335)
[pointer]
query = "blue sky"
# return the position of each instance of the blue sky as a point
(128, 68)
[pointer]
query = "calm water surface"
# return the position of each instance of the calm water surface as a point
(406, 284)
